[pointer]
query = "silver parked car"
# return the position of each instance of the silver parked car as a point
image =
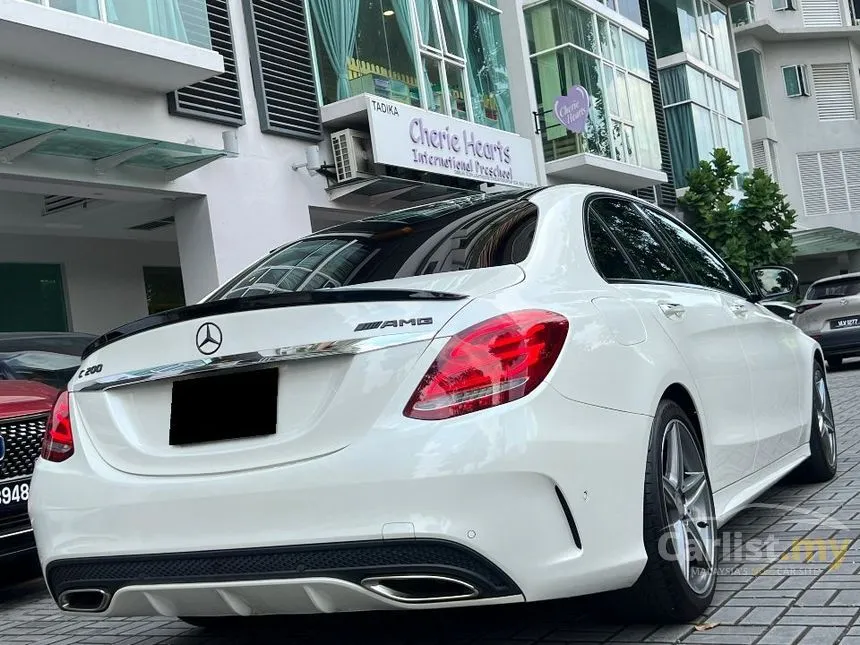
(830, 313)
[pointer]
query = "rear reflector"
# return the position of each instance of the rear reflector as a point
(57, 444)
(496, 361)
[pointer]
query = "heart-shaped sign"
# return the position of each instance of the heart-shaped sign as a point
(572, 109)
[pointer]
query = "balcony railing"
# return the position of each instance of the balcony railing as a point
(185, 21)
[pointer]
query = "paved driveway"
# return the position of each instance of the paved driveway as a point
(788, 577)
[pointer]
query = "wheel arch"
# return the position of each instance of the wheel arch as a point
(680, 395)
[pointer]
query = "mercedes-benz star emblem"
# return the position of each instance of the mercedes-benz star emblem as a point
(844, 301)
(209, 338)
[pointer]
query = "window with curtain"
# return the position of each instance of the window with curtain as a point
(572, 46)
(157, 17)
(752, 82)
(702, 113)
(444, 55)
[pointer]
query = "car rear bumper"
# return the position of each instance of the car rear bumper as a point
(546, 492)
(16, 536)
(843, 342)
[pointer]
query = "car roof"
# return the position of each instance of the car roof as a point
(837, 278)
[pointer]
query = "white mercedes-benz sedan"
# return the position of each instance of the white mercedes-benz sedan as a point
(494, 399)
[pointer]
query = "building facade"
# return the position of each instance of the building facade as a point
(798, 61)
(151, 149)
(700, 82)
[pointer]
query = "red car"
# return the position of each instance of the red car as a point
(34, 369)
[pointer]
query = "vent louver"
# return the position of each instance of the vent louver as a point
(283, 74)
(151, 226)
(58, 203)
(217, 99)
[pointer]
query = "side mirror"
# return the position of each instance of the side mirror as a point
(773, 282)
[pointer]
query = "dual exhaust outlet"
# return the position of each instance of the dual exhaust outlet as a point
(422, 588)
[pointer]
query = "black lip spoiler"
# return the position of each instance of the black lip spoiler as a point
(256, 303)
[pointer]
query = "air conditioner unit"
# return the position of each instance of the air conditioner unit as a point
(353, 154)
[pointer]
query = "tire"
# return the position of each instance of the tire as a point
(821, 464)
(664, 593)
(835, 362)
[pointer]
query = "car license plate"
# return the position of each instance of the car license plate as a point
(14, 496)
(842, 323)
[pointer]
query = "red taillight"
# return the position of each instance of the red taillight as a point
(803, 308)
(58, 444)
(496, 361)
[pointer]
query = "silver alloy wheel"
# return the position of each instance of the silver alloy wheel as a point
(689, 507)
(824, 414)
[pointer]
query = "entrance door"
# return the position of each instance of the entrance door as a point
(32, 298)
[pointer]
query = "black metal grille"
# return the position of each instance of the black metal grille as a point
(282, 68)
(666, 196)
(23, 441)
(217, 99)
(346, 561)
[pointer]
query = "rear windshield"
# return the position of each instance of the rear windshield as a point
(453, 235)
(834, 289)
(51, 360)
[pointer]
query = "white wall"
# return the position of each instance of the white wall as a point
(103, 278)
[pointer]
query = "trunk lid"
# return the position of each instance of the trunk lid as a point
(330, 389)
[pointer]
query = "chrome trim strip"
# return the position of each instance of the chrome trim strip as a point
(5, 536)
(205, 365)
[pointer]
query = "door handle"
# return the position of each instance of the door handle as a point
(672, 310)
(739, 310)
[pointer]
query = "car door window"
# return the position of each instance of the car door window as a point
(705, 267)
(650, 257)
(608, 259)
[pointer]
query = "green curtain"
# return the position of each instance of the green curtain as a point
(337, 24)
(682, 141)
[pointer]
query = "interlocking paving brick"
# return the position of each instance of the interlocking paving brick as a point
(785, 596)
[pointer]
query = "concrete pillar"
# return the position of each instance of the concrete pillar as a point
(520, 78)
(197, 257)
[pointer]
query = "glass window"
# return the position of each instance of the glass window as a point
(433, 89)
(453, 235)
(703, 132)
(794, 77)
(689, 28)
(32, 297)
(720, 26)
(486, 67)
(650, 257)
(635, 54)
(666, 28)
(742, 14)
(449, 26)
(736, 145)
(782, 5)
(456, 91)
(834, 289)
(164, 290)
(698, 85)
(554, 73)
(608, 259)
(703, 265)
(645, 123)
(544, 27)
(752, 83)
(380, 59)
(427, 23)
(582, 28)
(630, 9)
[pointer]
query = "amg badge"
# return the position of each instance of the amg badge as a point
(382, 324)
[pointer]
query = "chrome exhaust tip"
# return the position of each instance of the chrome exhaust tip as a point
(84, 600)
(420, 588)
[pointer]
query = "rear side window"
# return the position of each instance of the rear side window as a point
(707, 269)
(609, 260)
(651, 258)
(834, 289)
(453, 235)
